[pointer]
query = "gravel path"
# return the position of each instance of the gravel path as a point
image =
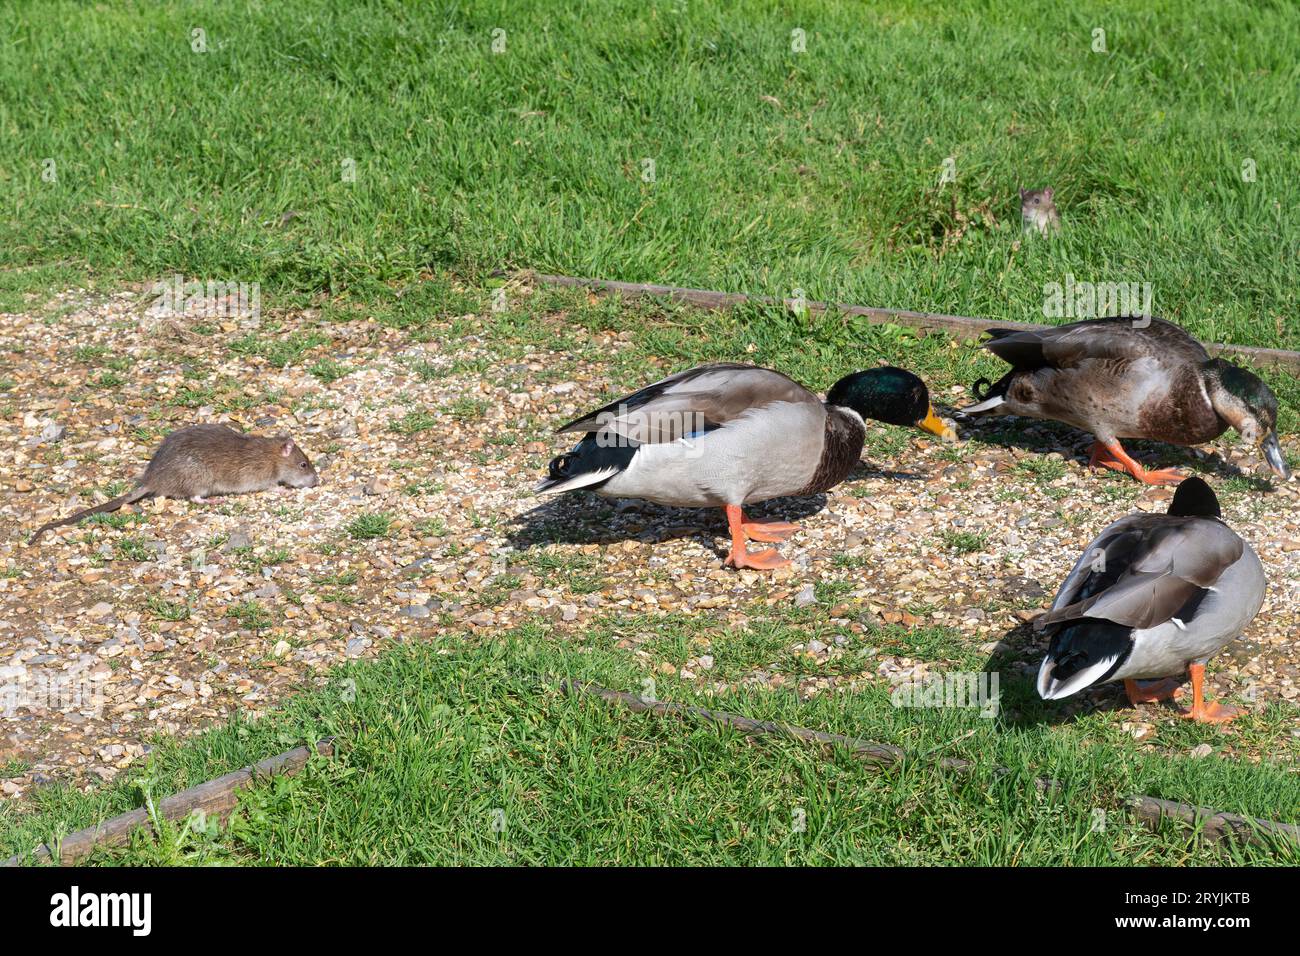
(192, 612)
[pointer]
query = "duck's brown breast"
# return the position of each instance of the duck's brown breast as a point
(1181, 415)
(841, 450)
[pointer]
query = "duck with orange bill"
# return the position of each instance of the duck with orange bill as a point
(731, 435)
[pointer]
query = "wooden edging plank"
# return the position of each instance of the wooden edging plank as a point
(963, 325)
(1216, 825)
(215, 798)
(1150, 811)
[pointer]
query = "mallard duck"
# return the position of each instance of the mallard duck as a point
(1128, 377)
(1153, 596)
(727, 435)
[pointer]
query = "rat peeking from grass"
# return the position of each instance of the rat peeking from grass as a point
(1038, 211)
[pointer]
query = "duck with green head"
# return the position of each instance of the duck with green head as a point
(729, 435)
(1130, 377)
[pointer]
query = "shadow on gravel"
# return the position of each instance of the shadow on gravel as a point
(582, 517)
(864, 469)
(1044, 437)
(586, 518)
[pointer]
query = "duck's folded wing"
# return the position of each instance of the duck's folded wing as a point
(1104, 559)
(691, 402)
(1145, 572)
(1067, 346)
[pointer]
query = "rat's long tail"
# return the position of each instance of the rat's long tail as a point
(111, 505)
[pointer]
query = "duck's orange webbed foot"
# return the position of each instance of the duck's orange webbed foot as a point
(741, 529)
(1212, 713)
(768, 560)
(1205, 711)
(768, 531)
(1160, 476)
(1145, 691)
(1114, 457)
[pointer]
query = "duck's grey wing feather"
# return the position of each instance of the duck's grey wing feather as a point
(698, 399)
(1101, 553)
(1143, 569)
(1068, 346)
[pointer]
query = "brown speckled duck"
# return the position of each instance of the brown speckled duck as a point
(1130, 377)
(723, 436)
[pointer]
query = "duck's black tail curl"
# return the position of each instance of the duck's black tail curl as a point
(561, 469)
(558, 468)
(988, 395)
(589, 465)
(983, 389)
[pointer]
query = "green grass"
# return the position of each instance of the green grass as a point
(466, 409)
(414, 422)
(252, 615)
(774, 169)
(166, 610)
(1046, 469)
(964, 542)
(279, 352)
(253, 563)
(114, 519)
(470, 755)
(133, 549)
(329, 371)
(370, 525)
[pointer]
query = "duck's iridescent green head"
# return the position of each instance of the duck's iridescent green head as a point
(891, 395)
(1247, 404)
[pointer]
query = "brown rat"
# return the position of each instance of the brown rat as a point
(204, 460)
(1038, 211)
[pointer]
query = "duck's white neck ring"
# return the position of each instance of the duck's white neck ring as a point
(849, 412)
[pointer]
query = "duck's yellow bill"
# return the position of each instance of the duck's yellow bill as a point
(935, 425)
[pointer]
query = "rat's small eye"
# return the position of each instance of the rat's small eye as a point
(304, 465)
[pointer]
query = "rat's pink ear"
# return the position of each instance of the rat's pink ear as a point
(1047, 193)
(286, 449)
